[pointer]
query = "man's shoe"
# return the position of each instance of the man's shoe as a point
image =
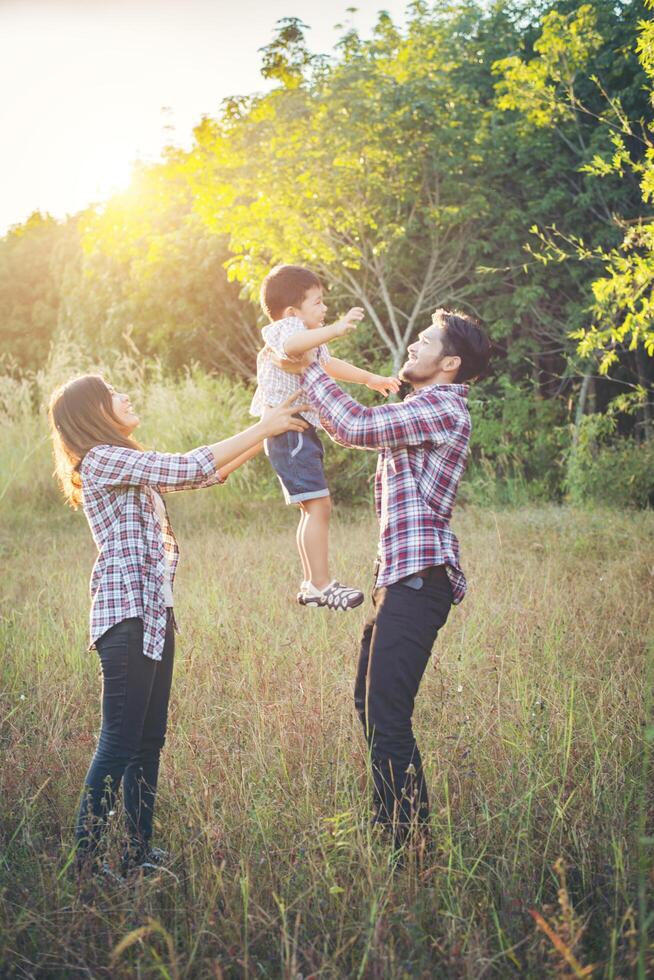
(93, 869)
(146, 862)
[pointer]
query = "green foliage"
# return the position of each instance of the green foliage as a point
(546, 91)
(608, 471)
(543, 89)
(518, 444)
(287, 58)
(33, 259)
(366, 170)
(153, 273)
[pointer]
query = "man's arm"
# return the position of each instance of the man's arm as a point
(392, 426)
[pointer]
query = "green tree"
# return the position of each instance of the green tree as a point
(623, 309)
(153, 273)
(365, 169)
(563, 99)
(34, 262)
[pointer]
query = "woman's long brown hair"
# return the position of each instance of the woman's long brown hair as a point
(81, 416)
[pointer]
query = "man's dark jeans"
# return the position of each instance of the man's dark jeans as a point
(135, 693)
(395, 649)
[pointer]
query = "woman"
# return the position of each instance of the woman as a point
(101, 466)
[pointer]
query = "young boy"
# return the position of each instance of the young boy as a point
(291, 297)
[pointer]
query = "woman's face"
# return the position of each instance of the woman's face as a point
(122, 409)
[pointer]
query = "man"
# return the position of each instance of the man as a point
(423, 444)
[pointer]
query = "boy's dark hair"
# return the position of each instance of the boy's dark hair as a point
(286, 285)
(464, 337)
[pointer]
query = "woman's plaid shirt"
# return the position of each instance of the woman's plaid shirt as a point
(127, 578)
(423, 444)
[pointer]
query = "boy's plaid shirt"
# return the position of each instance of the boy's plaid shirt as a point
(423, 444)
(127, 578)
(274, 386)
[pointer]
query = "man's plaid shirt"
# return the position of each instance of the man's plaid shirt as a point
(423, 444)
(127, 578)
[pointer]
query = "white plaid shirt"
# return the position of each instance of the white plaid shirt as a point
(128, 575)
(274, 386)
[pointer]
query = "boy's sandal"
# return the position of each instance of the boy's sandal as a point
(334, 596)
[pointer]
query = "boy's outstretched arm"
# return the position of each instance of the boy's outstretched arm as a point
(306, 340)
(344, 371)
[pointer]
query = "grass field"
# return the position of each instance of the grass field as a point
(530, 717)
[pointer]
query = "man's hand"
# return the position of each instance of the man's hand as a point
(385, 386)
(295, 365)
(283, 418)
(348, 322)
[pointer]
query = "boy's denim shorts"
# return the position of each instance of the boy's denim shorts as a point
(296, 458)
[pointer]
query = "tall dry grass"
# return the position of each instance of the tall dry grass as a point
(530, 718)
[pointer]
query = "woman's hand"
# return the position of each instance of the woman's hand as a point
(276, 420)
(283, 418)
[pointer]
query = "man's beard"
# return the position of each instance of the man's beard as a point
(411, 375)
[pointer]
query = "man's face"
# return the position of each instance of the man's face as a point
(425, 361)
(312, 310)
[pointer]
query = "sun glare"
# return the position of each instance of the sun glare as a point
(113, 174)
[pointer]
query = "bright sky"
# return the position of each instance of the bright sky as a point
(88, 86)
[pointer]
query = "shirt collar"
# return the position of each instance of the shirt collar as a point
(455, 389)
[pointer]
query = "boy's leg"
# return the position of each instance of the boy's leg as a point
(306, 572)
(315, 539)
(296, 458)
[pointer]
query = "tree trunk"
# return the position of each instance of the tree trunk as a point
(584, 392)
(580, 411)
(643, 380)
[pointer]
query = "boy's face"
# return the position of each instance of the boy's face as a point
(312, 310)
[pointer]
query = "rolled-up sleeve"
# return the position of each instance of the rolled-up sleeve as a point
(276, 334)
(115, 466)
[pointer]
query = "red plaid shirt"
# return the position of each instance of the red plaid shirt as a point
(423, 444)
(127, 578)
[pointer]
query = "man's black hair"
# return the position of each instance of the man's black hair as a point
(464, 337)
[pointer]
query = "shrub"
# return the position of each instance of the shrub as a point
(517, 447)
(608, 470)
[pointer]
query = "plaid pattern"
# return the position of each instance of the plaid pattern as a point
(422, 443)
(274, 385)
(127, 578)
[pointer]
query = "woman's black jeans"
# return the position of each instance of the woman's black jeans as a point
(135, 693)
(395, 649)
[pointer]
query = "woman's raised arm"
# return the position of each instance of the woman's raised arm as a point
(110, 466)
